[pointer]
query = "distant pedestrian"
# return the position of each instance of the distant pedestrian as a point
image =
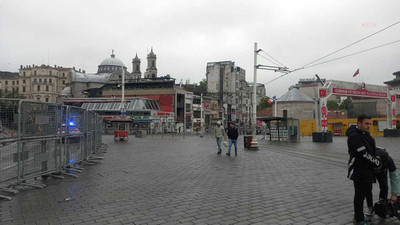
(233, 135)
(219, 133)
(362, 164)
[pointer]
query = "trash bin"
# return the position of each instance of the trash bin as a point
(247, 140)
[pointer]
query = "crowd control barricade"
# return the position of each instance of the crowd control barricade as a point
(43, 139)
(38, 139)
(75, 128)
(8, 144)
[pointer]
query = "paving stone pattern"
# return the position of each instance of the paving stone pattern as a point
(165, 180)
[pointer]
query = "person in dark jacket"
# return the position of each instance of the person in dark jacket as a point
(233, 135)
(362, 164)
(381, 175)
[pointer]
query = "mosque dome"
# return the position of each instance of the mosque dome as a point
(111, 64)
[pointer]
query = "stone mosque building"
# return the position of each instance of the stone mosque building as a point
(109, 71)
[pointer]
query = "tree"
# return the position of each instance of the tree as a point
(264, 104)
(203, 84)
(12, 94)
(332, 105)
(346, 104)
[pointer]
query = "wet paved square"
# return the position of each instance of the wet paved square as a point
(176, 180)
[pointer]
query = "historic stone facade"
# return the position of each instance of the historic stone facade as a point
(43, 83)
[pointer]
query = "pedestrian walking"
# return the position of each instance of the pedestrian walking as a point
(219, 133)
(233, 135)
(362, 164)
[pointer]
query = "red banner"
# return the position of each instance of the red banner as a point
(359, 92)
(324, 123)
(393, 98)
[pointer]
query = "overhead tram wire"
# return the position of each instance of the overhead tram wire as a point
(369, 49)
(272, 58)
(351, 44)
(301, 68)
(307, 65)
(269, 60)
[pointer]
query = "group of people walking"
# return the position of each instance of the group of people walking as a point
(232, 133)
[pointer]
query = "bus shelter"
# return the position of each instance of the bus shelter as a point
(282, 129)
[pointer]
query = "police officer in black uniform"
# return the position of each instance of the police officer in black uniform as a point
(362, 164)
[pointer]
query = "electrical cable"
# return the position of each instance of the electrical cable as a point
(269, 60)
(352, 54)
(305, 67)
(272, 58)
(352, 43)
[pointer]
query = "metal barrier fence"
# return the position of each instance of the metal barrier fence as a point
(42, 139)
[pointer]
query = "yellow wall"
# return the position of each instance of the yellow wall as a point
(308, 126)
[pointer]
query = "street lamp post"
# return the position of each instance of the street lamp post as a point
(122, 108)
(254, 142)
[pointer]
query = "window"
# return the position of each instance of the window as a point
(17, 90)
(40, 80)
(23, 73)
(47, 88)
(47, 99)
(23, 81)
(6, 82)
(50, 72)
(38, 98)
(38, 87)
(63, 74)
(17, 81)
(34, 80)
(45, 81)
(24, 89)
(50, 80)
(63, 82)
(34, 72)
(13, 82)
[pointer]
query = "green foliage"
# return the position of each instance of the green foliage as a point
(332, 105)
(203, 84)
(12, 94)
(346, 104)
(264, 104)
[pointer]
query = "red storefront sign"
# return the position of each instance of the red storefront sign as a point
(393, 98)
(322, 93)
(359, 92)
(324, 123)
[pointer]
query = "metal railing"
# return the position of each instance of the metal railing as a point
(42, 139)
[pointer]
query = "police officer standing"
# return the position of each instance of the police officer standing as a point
(361, 165)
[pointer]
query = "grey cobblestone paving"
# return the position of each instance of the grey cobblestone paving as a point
(182, 181)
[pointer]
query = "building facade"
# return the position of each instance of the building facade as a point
(43, 83)
(228, 82)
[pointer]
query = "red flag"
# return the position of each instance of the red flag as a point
(356, 73)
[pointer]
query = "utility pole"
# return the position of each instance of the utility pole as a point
(122, 107)
(254, 142)
(201, 116)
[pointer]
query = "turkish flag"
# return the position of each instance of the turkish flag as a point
(356, 73)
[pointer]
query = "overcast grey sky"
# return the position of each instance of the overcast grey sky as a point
(186, 34)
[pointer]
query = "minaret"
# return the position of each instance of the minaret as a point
(136, 68)
(151, 71)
